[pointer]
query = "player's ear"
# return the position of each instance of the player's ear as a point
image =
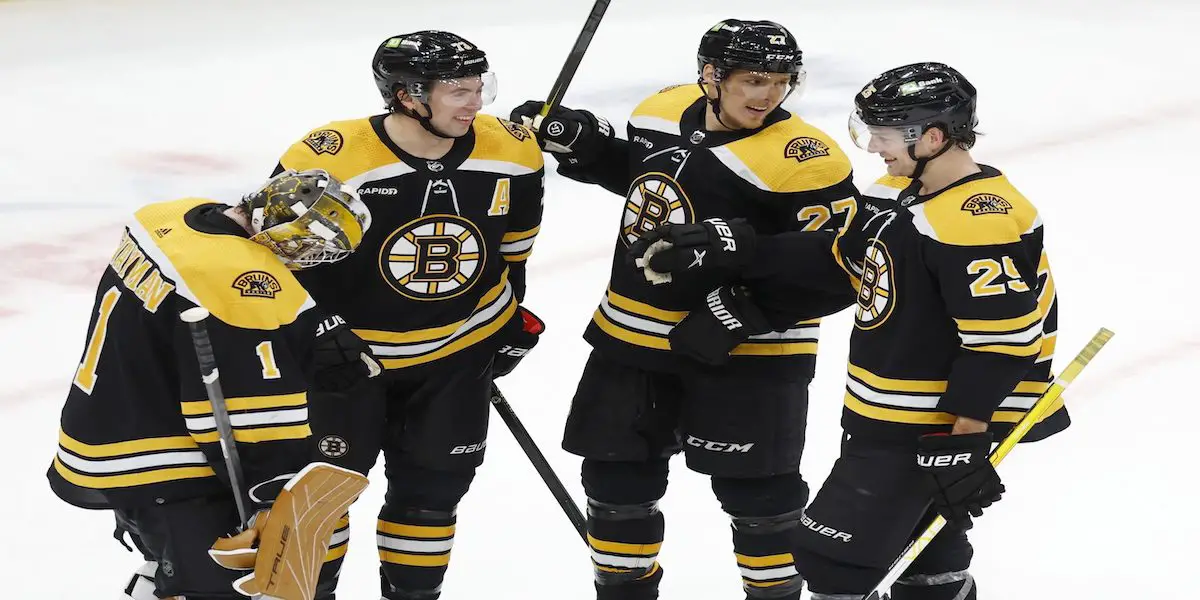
(709, 76)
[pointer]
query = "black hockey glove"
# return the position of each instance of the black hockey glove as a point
(340, 358)
(709, 333)
(675, 249)
(518, 343)
(576, 136)
(961, 478)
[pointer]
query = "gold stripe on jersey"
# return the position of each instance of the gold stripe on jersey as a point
(789, 156)
(254, 419)
(206, 268)
(983, 212)
(516, 246)
(643, 325)
(125, 464)
(414, 545)
(404, 349)
(1017, 336)
(915, 402)
(499, 150)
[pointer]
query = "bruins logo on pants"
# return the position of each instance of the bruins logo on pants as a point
(654, 200)
(877, 294)
(433, 258)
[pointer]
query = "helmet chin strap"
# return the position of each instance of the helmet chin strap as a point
(923, 162)
(425, 122)
(715, 103)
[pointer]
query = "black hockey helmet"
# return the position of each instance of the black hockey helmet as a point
(915, 98)
(412, 61)
(752, 45)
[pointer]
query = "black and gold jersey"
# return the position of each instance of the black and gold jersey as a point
(956, 311)
(784, 176)
(443, 266)
(137, 427)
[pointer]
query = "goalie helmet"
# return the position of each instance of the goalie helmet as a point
(751, 45)
(915, 98)
(307, 218)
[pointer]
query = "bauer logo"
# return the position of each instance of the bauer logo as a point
(325, 141)
(469, 448)
(257, 284)
(825, 530)
(715, 446)
(805, 148)
(987, 204)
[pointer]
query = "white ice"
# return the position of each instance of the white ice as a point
(1087, 106)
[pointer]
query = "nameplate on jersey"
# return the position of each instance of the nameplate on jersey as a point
(434, 257)
(654, 200)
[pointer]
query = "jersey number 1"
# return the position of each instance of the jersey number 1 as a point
(85, 375)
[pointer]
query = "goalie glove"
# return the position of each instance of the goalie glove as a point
(961, 478)
(285, 545)
(675, 249)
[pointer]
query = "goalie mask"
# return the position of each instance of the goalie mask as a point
(307, 218)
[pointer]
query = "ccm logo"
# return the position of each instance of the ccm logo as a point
(718, 446)
(944, 460)
(469, 449)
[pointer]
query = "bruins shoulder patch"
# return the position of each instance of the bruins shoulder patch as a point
(805, 148)
(325, 141)
(257, 284)
(517, 131)
(987, 204)
(673, 87)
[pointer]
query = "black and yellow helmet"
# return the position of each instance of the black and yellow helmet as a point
(308, 218)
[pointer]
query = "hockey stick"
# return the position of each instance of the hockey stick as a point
(539, 462)
(1035, 414)
(195, 317)
(573, 59)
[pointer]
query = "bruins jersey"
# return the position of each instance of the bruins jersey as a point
(786, 175)
(137, 427)
(956, 311)
(443, 266)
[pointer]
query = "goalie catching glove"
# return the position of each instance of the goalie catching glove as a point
(285, 545)
(675, 249)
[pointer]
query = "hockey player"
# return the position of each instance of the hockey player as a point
(953, 340)
(436, 287)
(138, 435)
(721, 156)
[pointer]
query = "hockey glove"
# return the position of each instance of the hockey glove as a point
(576, 136)
(340, 358)
(691, 248)
(285, 546)
(961, 478)
(710, 333)
(518, 343)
